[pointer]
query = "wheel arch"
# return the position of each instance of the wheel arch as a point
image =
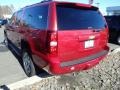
(25, 45)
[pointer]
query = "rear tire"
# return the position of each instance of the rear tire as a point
(28, 65)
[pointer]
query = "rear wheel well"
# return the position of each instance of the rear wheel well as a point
(25, 45)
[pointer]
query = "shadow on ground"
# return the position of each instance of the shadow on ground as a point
(113, 41)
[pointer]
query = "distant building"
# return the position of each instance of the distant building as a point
(7, 16)
(115, 10)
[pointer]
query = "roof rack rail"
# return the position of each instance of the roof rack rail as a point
(46, 1)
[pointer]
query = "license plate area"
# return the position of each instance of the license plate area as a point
(89, 44)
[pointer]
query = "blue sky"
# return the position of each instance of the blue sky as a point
(21, 3)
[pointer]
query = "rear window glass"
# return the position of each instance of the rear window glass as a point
(78, 18)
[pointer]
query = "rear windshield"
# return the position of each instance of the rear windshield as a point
(70, 18)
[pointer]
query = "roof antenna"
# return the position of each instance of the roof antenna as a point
(90, 2)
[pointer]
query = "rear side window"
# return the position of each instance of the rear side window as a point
(18, 17)
(36, 17)
(70, 18)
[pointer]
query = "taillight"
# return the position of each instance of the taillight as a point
(52, 42)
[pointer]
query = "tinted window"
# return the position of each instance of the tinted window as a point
(0, 20)
(78, 18)
(36, 17)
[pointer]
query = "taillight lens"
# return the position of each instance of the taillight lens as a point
(52, 42)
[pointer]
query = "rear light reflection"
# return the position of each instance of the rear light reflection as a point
(53, 43)
(53, 49)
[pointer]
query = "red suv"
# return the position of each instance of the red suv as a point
(60, 37)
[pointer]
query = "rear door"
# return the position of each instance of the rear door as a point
(35, 19)
(81, 31)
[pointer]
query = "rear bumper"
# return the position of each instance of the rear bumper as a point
(56, 67)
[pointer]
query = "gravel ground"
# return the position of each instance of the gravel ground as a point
(105, 76)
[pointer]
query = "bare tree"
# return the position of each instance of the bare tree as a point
(1, 12)
(6, 10)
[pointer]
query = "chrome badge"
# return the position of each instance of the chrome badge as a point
(91, 37)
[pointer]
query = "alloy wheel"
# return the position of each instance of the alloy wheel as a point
(27, 63)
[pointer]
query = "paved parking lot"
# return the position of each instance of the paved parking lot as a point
(10, 68)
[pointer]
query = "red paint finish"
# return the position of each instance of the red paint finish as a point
(75, 43)
(53, 46)
(79, 67)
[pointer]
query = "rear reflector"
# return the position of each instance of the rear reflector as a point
(52, 42)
